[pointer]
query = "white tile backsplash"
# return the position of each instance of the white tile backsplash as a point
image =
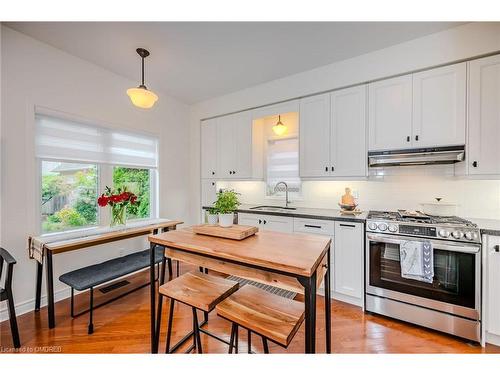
(405, 189)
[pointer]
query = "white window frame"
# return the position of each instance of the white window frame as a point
(296, 196)
(104, 175)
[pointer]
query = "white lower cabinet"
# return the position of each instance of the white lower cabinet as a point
(348, 262)
(318, 227)
(346, 257)
(267, 222)
(491, 289)
(347, 248)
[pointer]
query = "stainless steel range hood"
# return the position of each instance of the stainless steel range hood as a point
(420, 156)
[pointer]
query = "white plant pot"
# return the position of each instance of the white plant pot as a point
(212, 218)
(226, 220)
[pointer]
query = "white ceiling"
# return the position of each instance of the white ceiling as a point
(198, 61)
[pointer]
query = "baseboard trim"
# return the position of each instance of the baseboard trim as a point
(348, 299)
(492, 339)
(29, 305)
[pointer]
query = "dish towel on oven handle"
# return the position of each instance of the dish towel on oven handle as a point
(417, 260)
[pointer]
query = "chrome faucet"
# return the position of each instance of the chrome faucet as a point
(286, 192)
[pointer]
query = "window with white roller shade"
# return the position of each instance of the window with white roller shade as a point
(61, 139)
(283, 165)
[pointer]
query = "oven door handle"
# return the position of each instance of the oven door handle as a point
(441, 245)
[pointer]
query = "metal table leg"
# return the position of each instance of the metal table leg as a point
(152, 292)
(328, 305)
(38, 295)
(309, 284)
(50, 290)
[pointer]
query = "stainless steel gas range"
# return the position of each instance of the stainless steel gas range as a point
(451, 303)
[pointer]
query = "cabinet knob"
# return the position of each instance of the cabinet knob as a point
(416, 137)
(326, 169)
(265, 222)
(497, 248)
(213, 183)
(408, 139)
(333, 168)
(234, 172)
(474, 164)
(260, 221)
(230, 172)
(213, 173)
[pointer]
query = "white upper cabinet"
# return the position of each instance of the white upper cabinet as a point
(226, 148)
(348, 132)
(315, 136)
(439, 100)
(333, 134)
(209, 148)
(208, 192)
(484, 116)
(242, 139)
(390, 113)
(237, 152)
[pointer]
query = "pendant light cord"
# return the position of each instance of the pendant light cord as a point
(142, 70)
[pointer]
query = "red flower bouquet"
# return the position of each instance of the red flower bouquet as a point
(118, 200)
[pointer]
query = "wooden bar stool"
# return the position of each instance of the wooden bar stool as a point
(200, 291)
(270, 316)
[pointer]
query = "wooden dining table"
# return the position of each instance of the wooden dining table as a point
(291, 261)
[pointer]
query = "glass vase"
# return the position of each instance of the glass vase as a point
(118, 215)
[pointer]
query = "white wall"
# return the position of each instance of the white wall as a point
(34, 73)
(463, 42)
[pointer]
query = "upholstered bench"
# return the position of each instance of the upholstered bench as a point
(97, 274)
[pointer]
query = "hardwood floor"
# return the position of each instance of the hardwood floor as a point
(123, 327)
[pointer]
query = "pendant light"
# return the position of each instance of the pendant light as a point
(140, 96)
(279, 128)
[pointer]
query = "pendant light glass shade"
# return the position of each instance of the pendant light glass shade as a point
(279, 128)
(140, 96)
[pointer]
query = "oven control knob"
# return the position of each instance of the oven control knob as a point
(372, 226)
(382, 226)
(471, 236)
(393, 228)
(457, 234)
(444, 233)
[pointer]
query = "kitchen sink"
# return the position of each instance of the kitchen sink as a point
(272, 208)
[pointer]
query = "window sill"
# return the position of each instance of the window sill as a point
(90, 231)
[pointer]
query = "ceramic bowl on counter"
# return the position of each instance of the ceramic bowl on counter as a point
(348, 207)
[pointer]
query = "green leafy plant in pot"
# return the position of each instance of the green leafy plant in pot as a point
(227, 202)
(212, 216)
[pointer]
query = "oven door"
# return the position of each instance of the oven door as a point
(457, 275)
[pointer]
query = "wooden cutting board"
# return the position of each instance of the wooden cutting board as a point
(235, 232)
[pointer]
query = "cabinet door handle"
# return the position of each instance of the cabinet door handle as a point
(333, 168)
(474, 163)
(260, 221)
(416, 137)
(230, 172)
(312, 226)
(326, 169)
(348, 225)
(497, 248)
(234, 172)
(408, 139)
(265, 222)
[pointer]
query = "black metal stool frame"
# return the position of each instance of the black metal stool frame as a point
(234, 339)
(197, 327)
